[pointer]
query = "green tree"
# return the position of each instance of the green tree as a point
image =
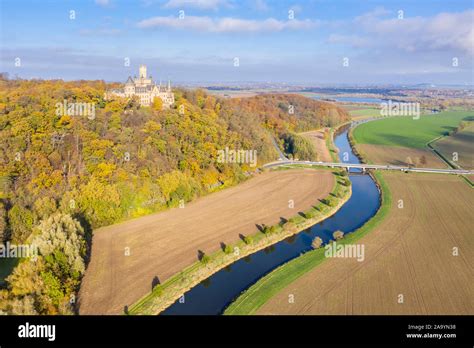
(21, 222)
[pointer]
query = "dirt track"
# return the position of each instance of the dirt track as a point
(162, 244)
(410, 253)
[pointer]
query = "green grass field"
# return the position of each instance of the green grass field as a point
(409, 132)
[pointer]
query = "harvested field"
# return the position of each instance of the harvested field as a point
(409, 253)
(397, 155)
(163, 244)
(363, 113)
(462, 143)
(319, 142)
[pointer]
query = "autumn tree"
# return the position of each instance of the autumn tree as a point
(338, 235)
(317, 242)
(47, 283)
(157, 104)
(21, 223)
(3, 224)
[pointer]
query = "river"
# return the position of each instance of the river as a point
(351, 99)
(213, 295)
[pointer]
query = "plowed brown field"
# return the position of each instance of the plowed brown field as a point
(163, 244)
(410, 253)
(317, 138)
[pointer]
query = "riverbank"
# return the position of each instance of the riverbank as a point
(411, 235)
(169, 292)
(270, 285)
(131, 258)
(416, 259)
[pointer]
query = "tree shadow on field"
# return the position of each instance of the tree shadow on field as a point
(223, 245)
(283, 220)
(200, 255)
(260, 227)
(155, 282)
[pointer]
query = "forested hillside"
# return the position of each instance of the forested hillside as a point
(287, 114)
(62, 175)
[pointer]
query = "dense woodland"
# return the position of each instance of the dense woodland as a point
(61, 176)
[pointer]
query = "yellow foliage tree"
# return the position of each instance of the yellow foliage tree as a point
(157, 104)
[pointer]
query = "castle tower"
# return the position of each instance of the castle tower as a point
(142, 71)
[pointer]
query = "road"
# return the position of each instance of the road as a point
(371, 166)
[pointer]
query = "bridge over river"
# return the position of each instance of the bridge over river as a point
(364, 167)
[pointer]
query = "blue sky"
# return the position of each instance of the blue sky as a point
(272, 46)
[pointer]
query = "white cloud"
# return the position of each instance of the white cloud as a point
(200, 4)
(227, 24)
(443, 32)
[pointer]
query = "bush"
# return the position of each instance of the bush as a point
(338, 235)
(296, 219)
(248, 240)
(158, 290)
(205, 259)
(328, 202)
(275, 229)
(228, 249)
(317, 242)
(310, 214)
(289, 225)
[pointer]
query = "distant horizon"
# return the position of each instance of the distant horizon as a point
(253, 84)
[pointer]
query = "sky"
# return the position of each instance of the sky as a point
(315, 42)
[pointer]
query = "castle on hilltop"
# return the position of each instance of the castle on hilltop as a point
(144, 88)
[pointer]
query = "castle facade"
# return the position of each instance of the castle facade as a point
(145, 89)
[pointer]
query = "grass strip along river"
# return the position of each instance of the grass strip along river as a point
(213, 295)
